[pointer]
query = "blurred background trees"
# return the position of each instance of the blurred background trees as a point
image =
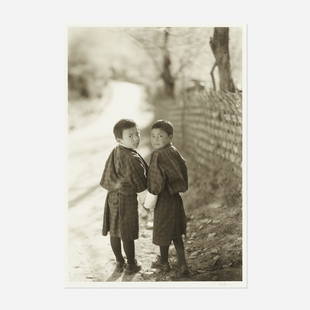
(172, 50)
(165, 60)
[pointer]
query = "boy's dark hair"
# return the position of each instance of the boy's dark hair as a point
(121, 125)
(164, 125)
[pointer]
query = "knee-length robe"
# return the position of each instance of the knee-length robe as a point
(124, 176)
(167, 177)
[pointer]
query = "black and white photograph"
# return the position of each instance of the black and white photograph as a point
(156, 156)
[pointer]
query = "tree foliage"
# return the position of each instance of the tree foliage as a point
(172, 50)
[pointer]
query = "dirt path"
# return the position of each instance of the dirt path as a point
(213, 244)
(89, 256)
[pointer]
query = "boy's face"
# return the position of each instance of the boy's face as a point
(159, 138)
(131, 138)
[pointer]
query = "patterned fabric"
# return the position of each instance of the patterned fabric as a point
(167, 176)
(125, 170)
(124, 176)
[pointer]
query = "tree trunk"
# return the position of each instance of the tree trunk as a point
(220, 47)
(166, 74)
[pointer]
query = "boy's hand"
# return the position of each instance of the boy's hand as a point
(144, 212)
(150, 201)
(141, 197)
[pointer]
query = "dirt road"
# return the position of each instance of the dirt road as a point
(89, 256)
(213, 248)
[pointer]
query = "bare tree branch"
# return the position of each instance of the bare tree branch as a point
(140, 44)
(190, 59)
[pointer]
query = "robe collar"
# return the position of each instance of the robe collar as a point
(127, 148)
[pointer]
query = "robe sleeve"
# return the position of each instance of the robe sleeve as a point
(156, 177)
(136, 171)
(184, 174)
(110, 180)
(175, 171)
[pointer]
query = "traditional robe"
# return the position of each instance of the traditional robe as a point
(124, 176)
(167, 176)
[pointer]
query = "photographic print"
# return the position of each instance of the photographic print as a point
(156, 157)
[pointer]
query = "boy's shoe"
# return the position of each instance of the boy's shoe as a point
(120, 266)
(157, 264)
(132, 268)
(183, 271)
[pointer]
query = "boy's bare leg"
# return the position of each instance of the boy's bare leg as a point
(129, 248)
(179, 247)
(164, 250)
(117, 249)
(162, 261)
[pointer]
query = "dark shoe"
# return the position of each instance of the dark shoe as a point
(133, 268)
(157, 264)
(120, 266)
(183, 271)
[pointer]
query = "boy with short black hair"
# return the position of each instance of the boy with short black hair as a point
(167, 177)
(124, 176)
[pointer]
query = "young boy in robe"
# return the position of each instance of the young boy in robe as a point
(124, 176)
(167, 177)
